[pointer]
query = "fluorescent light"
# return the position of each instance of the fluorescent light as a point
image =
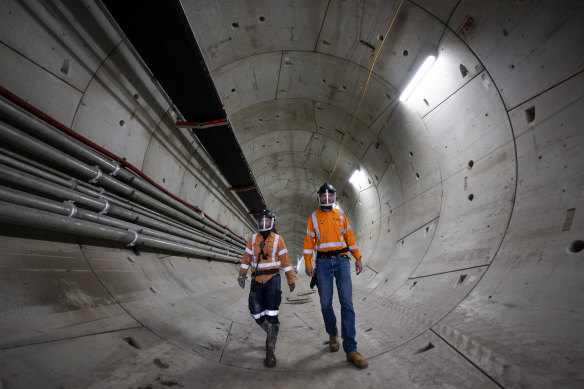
(355, 177)
(417, 78)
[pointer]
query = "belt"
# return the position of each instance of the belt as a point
(262, 272)
(331, 254)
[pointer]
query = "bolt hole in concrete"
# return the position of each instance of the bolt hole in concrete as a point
(262, 19)
(461, 278)
(470, 164)
(470, 197)
(427, 347)
(235, 25)
(417, 176)
(405, 53)
(132, 342)
(426, 102)
(575, 247)
(411, 154)
(122, 123)
(463, 70)
(530, 114)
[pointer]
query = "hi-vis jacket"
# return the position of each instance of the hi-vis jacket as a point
(276, 257)
(328, 231)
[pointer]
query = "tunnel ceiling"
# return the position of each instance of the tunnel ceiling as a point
(159, 31)
(297, 87)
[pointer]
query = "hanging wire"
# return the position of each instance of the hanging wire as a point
(358, 107)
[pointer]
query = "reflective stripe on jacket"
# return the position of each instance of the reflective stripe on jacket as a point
(274, 258)
(328, 231)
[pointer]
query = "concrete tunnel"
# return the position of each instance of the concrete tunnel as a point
(121, 232)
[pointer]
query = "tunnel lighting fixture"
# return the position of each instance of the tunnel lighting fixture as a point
(417, 78)
(359, 179)
(355, 177)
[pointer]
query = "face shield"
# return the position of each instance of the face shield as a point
(265, 224)
(327, 198)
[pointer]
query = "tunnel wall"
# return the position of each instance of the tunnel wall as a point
(493, 280)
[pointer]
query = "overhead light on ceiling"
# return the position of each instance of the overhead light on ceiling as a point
(417, 78)
(358, 178)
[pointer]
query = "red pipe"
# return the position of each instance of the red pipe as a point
(60, 126)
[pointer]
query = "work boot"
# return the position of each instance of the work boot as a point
(334, 344)
(273, 329)
(264, 325)
(357, 359)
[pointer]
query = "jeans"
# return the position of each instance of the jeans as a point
(339, 268)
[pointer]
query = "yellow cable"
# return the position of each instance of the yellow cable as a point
(386, 36)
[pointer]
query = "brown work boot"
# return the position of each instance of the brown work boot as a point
(357, 359)
(334, 343)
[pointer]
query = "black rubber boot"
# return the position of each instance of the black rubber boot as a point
(273, 329)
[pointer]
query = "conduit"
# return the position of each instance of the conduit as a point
(63, 140)
(42, 190)
(94, 174)
(29, 217)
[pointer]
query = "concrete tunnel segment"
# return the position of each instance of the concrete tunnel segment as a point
(469, 220)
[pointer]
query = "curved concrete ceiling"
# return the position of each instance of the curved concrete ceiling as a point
(468, 214)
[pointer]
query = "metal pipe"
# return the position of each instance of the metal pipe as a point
(24, 180)
(41, 150)
(69, 209)
(41, 130)
(72, 184)
(29, 217)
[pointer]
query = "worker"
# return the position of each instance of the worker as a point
(265, 253)
(329, 234)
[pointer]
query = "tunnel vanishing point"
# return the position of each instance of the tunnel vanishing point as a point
(139, 138)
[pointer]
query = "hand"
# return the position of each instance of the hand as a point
(358, 266)
(309, 271)
(292, 286)
(241, 282)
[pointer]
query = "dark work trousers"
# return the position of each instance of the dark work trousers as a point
(265, 299)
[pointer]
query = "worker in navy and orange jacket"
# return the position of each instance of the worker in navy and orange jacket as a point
(265, 253)
(329, 234)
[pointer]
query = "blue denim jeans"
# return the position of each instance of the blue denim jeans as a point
(338, 268)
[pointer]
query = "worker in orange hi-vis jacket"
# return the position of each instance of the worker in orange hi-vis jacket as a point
(329, 234)
(265, 253)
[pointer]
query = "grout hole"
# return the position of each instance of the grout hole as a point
(470, 164)
(463, 70)
(426, 102)
(470, 197)
(235, 25)
(461, 278)
(575, 247)
(122, 123)
(262, 19)
(417, 176)
(132, 342)
(427, 347)
(405, 53)
(530, 114)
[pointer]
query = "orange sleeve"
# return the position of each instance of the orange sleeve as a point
(350, 239)
(246, 260)
(284, 258)
(309, 240)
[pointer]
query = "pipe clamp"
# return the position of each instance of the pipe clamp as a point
(97, 177)
(133, 242)
(73, 210)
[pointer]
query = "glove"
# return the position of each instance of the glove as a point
(241, 282)
(292, 286)
(313, 282)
